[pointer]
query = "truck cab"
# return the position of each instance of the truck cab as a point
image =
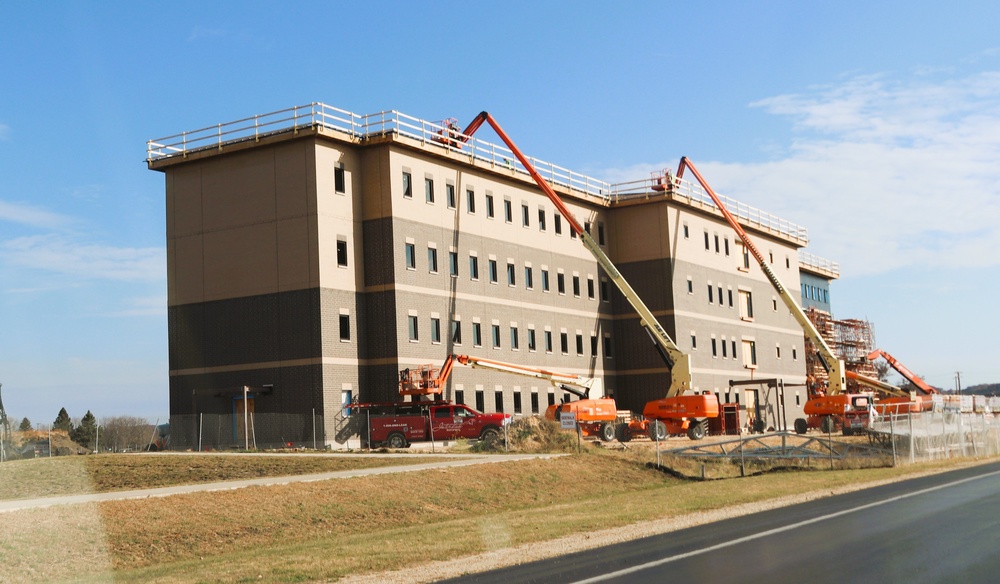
(397, 425)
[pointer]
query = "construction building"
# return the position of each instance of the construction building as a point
(314, 253)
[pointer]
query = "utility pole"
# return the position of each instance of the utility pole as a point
(958, 382)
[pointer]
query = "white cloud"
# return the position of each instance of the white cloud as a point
(60, 254)
(4, 132)
(884, 174)
(32, 216)
(146, 306)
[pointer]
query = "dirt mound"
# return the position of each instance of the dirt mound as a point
(35, 443)
(536, 434)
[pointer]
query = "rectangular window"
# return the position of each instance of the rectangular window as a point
(477, 334)
(480, 401)
(694, 342)
(489, 206)
(429, 189)
(450, 192)
(774, 304)
(414, 332)
(607, 346)
(730, 291)
(727, 246)
(534, 402)
(495, 335)
(707, 246)
(710, 294)
(474, 267)
(746, 305)
(494, 277)
(687, 233)
(456, 332)
(593, 345)
(453, 263)
(460, 396)
(564, 343)
(508, 211)
(590, 287)
(531, 339)
(498, 401)
(716, 243)
(557, 221)
(548, 341)
(345, 327)
(576, 286)
(545, 280)
(715, 351)
(600, 233)
(746, 258)
(579, 344)
(432, 260)
(470, 200)
(510, 275)
(342, 253)
(720, 296)
(561, 283)
(690, 286)
(435, 330)
(407, 185)
(733, 345)
(514, 345)
(411, 256)
(777, 351)
(541, 219)
(517, 402)
(749, 354)
(529, 279)
(339, 179)
(795, 354)
(605, 297)
(524, 216)
(586, 227)
(723, 343)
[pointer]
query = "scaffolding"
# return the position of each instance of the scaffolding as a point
(851, 340)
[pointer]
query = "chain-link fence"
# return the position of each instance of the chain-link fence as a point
(238, 432)
(934, 435)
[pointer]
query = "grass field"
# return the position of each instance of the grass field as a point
(326, 530)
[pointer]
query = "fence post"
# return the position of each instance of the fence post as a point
(201, 426)
(314, 428)
(912, 460)
(892, 437)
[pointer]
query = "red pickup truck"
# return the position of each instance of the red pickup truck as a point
(396, 425)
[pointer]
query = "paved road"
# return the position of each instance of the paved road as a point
(940, 528)
(448, 461)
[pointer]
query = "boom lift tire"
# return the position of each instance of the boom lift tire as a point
(801, 426)
(607, 432)
(623, 433)
(657, 431)
(396, 440)
(696, 431)
(827, 425)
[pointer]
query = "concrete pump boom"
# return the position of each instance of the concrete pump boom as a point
(833, 364)
(677, 361)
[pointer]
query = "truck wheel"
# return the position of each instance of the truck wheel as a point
(801, 426)
(696, 431)
(623, 433)
(396, 440)
(490, 436)
(607, 432)
(657, 430)
(827, 425)
(758, 426)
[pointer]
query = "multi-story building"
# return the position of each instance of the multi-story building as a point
(313, 254)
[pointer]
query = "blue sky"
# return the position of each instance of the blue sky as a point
(874, 124)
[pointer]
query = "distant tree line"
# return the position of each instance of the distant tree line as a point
(114, 434)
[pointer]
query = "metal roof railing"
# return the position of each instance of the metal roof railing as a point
(817, 263)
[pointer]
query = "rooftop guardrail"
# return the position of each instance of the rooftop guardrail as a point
(822, 264)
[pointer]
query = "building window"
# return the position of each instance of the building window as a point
(470, 200)
(413, 330)
(746, 305)
(687, 232)
(345, 327)
(579, 344)
(727, 246)
(517, 402)
(586, 227)
(730, 292)
(339, 179)
(690, 286)
(590, 287)
(694, 341)
(749, 354)
(480, 401)
(435, 330)
(715, 350)
(600, 233)
(557, 221)
(514, 345)
(495, 335)
(510, 275)
(407, 185)
(724, 355)
(524, 215)
(593, 345)
(795, 354)
(564, 343)
(489, 206)
(605, 297)
(456, 332)
(432, 260)
(429, 189)
(477, 334)
(545, 280)
(720, 296)
(541, 219)
(534, 402)
(531, 339)
(460, 396)
(716, 243)
(561, 283)
(707, 247)
(548, 341)
(342, 253)
(733, 345)
(508, 211)
(774, 304)
(607, 346)
(450, 192)
(453, 263)
(746, 258)
(710, 294)
(576, 286)
(411, 256)
(494, 277)
(529, 280)
(473, 267)
(777, 351)
(498, 401)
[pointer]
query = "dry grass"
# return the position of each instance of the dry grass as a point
(71, 475)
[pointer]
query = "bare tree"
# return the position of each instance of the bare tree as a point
(125, 433)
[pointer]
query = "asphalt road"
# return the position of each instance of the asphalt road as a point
(939, 528)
